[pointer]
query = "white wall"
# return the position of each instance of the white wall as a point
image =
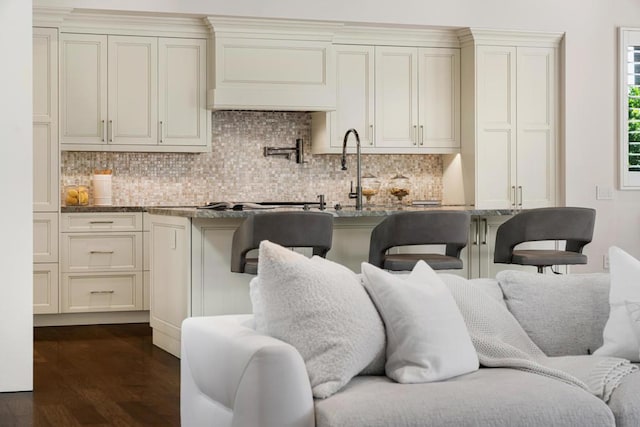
(16, 321)
(591, 95)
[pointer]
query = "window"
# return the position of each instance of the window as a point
(630, 109)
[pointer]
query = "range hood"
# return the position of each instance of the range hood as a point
(280, 65)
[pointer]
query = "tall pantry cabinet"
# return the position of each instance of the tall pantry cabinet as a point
(46, 197)
(510, 118)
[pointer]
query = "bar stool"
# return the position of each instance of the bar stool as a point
(450, 228)
(575, 225)
(301, 229)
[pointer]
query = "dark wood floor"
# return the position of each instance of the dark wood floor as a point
(99, 375)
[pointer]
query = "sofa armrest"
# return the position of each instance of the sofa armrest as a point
(233, 376)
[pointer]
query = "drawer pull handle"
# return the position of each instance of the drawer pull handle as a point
(100, 252)
(102, 292)
(100, 222)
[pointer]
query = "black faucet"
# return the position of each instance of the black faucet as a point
(358, 193)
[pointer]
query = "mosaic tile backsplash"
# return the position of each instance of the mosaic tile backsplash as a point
(236, 169)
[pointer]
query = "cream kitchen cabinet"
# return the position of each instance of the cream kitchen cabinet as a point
(417, 98)
(510, 126)
(133, 93)
(264, 64)
(355, 102)
(46, 195)
(170, 268)
(101, 262)
(45, 262)
(399, 99)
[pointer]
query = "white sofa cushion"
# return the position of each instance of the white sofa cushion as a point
(562, 314)
(619, 337)
(427, 339)
(496, 397)
(321, 308)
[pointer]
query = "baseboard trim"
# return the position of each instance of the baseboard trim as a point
(70, 319)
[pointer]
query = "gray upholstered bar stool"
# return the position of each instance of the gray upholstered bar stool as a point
(575, 225)
(450, 228)
(296, 229)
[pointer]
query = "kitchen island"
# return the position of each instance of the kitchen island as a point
(190, 254)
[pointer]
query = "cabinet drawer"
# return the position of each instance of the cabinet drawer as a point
(45, 237)
(121, 221)
(101, 252)
(101, 292)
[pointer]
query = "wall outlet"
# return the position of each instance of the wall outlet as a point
(605, 262)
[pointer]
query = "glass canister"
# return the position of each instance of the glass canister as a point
(76, 195)
(370, 186)
(399, 186)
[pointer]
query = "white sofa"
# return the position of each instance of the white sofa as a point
(234, 376)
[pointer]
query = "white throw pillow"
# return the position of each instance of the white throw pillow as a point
(321, 308)
(618, 336)
(427, 339)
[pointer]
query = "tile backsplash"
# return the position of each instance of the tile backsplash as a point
(236, 169)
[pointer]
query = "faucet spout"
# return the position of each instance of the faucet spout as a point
(358, 193)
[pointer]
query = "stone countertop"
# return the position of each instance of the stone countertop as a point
(346, 212)
(93, 209)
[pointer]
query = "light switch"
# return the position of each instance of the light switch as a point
(604, 192)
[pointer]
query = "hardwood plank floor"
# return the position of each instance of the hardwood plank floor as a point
(98, 375)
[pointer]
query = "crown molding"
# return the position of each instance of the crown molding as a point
(43, 16)
(483, 36)
(395, 36)
(135, 24)
(281, 29)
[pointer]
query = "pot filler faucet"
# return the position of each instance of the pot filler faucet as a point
(358, 193)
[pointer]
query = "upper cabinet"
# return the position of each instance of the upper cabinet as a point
(417, 99)
(510, 121)
(271, 65)
(109, 94)
(138, 92)
(400, 99)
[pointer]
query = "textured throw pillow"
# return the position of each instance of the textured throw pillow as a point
(427, 339)
(321, 308)
(619, 337)
(562, 314)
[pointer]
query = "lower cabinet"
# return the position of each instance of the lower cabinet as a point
(45, 263)
(170, 278)
(482, 244)
(101, 262)
(90, 292)
(45, 288)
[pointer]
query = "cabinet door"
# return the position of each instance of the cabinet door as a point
(170, 261)
(354, 94)
(45, 288)
(396, 97)
(45, 237)
(496, 127)
(487, 227)
(536, 118)
(182, 91)
(83, 89)
(133, 90)
(45, 120)
(439, 98)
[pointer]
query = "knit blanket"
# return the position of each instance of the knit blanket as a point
(501, 342)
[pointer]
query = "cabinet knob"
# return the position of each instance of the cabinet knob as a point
(421, 135)
(415, 135)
